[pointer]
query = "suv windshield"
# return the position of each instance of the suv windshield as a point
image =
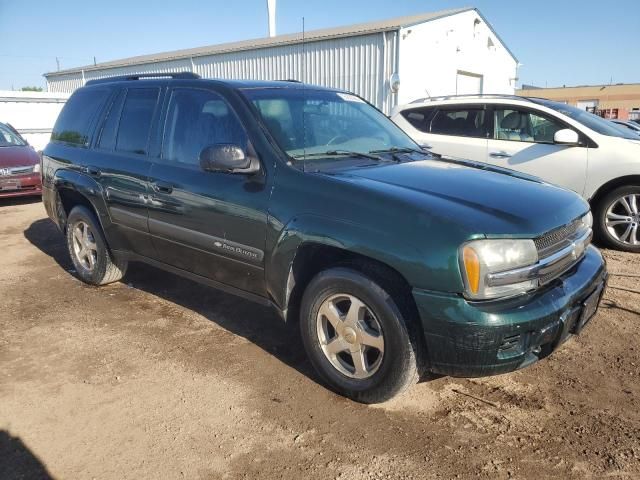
(321, 123)
(8, 138)
(594, 122)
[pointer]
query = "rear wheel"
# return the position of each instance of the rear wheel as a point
(356, 337)
(618, 219)
(88, 249)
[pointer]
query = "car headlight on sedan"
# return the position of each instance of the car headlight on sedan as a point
(36, 168)
(481, 258)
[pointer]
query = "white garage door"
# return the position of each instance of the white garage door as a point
(468, 83)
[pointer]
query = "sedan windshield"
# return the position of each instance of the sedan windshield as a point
(8, 138)
(589, 120)
(309, 123)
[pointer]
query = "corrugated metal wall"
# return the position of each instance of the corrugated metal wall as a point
(361, 64)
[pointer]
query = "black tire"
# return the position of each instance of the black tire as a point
(106, 269)
(600, 219)
(397, 369)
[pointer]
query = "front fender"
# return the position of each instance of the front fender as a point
(385, 247)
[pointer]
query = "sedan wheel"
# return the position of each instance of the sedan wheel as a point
(623, 219)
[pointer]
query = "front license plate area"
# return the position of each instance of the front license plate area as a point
(589, 308)
(10, 185)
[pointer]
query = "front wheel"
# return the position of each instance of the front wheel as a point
(356, 338)
(617, 219)
(87, 246)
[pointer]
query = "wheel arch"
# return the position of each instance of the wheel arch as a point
(611, 185)
(73, 188)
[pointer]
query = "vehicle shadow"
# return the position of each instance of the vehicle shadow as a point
(260, 325)
(18, 462)
(15, 201)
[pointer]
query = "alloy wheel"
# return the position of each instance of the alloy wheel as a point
(85, 248)
(623, 219)
(350, 336)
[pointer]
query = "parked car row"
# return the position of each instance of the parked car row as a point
(394, 262)
(557, 142)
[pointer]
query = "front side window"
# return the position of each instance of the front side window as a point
(135, 121)
(197, 119)
(524, 126)
(8, 138)
(589, 120)
(308, 122)
(75, 119)
(465, 122)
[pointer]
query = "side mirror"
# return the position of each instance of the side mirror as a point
(228, 158)
(566, 136)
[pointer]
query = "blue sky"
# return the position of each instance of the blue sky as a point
(558, 42)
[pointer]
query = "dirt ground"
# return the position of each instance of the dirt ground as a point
(158, 377)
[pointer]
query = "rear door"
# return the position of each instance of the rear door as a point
(459, 131)
(523, 140)
(209, 223)
(121, 164)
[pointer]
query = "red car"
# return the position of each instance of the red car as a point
(19, 165)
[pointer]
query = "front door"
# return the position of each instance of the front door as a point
(523, 140)
(209, 223)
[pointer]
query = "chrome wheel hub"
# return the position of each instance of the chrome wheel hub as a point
(84, 245)
(623, 219)
(350, 336)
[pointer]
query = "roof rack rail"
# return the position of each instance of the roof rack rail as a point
(293, 80)
(469, 95)
(138, 76)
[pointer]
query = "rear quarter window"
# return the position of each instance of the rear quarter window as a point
(420, 118)
(74, 123)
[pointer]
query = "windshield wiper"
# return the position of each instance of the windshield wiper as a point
(401, 150)
(336, 153)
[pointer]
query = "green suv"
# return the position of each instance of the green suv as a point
(395, 263)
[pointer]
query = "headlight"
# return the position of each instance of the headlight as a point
(587, 221)
(36, 168)
(479, 258)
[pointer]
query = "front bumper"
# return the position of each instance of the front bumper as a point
(472, 339)
(21, 185)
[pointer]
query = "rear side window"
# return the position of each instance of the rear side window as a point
(107, 139)
(135, 121)
(76, 118)
(466, 122)
(420, 118)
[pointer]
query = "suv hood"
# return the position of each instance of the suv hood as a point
(21, 156)
(486, 200)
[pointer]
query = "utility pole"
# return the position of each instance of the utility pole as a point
(94, 59)
(58, 63)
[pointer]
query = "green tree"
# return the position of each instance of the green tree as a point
(31, 89)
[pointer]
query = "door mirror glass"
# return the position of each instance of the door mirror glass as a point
(225, 158)
(566, 136)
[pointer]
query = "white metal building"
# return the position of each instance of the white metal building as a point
(387, 62)
(32, 113)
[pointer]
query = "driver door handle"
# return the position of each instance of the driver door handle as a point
(501, 154)
(162, 187)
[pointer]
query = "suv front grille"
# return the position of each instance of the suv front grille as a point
(557, 239)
